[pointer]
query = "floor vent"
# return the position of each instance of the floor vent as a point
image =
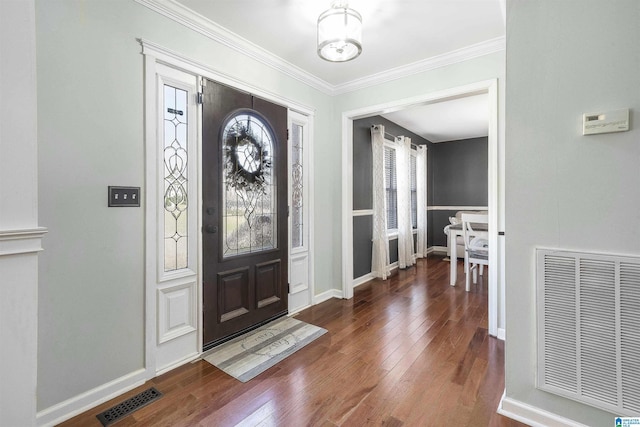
(589, 328)
(130, 405)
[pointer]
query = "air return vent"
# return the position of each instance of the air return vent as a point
(589, 328)
(130, 405)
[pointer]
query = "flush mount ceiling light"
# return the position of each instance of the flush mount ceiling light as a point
(339, 33)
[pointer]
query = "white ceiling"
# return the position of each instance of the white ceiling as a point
(448, 120)
(396, 34)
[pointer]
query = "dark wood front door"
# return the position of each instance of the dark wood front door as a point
(244, 222)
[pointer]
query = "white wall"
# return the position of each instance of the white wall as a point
(90, 107)
(19, 233)
(565, 190)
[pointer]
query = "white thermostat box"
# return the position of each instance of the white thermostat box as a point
(610, 121)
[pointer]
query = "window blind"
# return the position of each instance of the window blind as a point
(391, 187)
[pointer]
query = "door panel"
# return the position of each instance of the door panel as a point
(268, 283)
(233, 293)
(244, 187)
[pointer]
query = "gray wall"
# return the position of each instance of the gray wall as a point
(363, 192)
(565, 190)
(458, 177)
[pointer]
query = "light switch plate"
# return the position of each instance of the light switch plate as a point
(124, 196)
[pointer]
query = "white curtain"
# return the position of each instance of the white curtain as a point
(405, 230)
(421, 175)
(380, 253)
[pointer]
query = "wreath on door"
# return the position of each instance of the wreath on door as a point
(247, 156)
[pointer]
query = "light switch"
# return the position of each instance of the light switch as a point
(124, 196)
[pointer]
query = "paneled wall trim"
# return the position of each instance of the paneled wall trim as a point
(14, 242)
(177, 314)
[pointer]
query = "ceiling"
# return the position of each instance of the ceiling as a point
(449, 120)
(397, 34)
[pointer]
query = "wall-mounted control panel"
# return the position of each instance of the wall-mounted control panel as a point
(124, 196)
(605, 122)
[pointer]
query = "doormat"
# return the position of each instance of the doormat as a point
(256, 351)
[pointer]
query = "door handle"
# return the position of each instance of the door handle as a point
(210, 229)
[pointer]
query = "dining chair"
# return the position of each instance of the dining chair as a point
(476, 245)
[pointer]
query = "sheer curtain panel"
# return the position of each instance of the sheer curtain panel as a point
(380, 252)
(421, 166)
(405, 230)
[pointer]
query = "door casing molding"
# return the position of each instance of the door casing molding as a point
(487, 86)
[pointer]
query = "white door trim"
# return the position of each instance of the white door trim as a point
(488, 86)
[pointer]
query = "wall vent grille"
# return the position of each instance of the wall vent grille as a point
(128, 406)
(589, 328)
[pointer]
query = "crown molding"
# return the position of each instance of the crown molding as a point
(460, 55)
(190, 19)
(177, 12)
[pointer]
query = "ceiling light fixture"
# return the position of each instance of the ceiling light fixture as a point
(339, 33)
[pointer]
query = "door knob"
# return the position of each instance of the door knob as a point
(211, 229)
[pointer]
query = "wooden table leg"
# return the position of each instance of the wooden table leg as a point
(453, 257)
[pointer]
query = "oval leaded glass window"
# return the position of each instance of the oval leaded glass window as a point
(249, 186)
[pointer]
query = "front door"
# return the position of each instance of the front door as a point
(244, 218)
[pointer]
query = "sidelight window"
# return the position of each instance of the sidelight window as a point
(175, 175)
(297, 187)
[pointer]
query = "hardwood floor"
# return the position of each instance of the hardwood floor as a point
(409, 351)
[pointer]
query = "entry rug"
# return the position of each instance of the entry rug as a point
(250, 354)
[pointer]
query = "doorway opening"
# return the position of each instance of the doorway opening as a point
(489, 87)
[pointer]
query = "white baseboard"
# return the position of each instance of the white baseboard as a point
(363, 279)
(532, 415)
(501, 334)
(184, 361)
(437, 249)
(90, 399)
(327, 295)
(298, 310)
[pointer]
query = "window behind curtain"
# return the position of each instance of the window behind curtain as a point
(414, 191)
(391, 187)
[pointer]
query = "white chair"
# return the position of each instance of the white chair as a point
(476, 253)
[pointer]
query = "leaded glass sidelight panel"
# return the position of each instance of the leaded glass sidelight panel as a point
(249, 215)
(175, 178)
(297, 187)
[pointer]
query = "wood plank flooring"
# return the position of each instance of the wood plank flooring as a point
(409, 351)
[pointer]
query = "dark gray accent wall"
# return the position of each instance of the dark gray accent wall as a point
(363, 192)
(458, 176)
(439, 220)
(362, 244)
(459, 173)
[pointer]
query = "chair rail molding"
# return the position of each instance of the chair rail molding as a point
(457, 208)
(14, 242)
